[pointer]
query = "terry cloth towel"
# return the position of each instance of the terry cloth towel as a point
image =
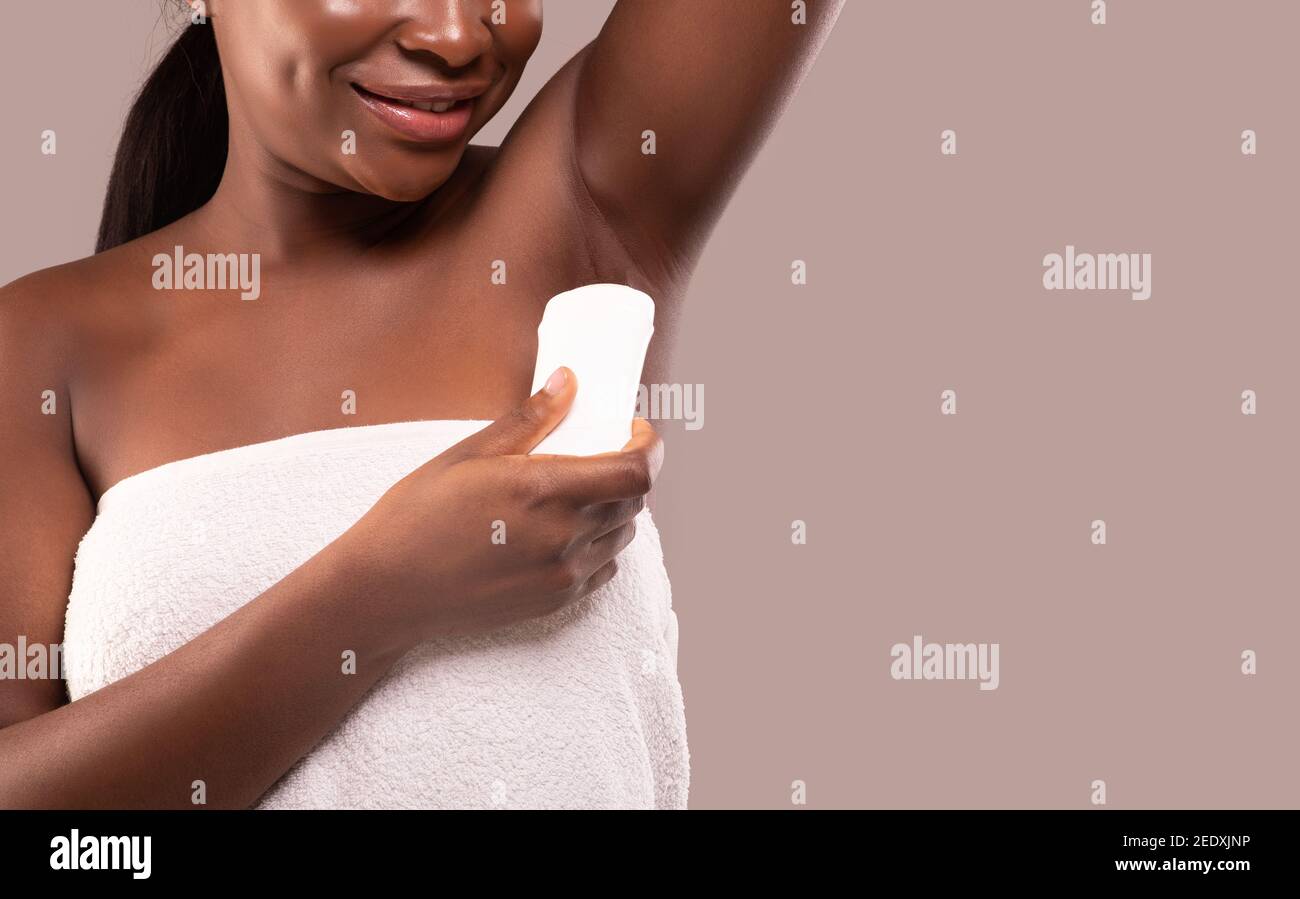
(580, 709)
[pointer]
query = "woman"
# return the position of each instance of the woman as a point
(319, 566)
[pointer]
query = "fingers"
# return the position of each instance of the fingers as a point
(603, 553)
(643, 435)
(613, 543)
(626, 474)
(525, 426)
(600, 577)
(605, 517)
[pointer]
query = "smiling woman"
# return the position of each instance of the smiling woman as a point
(303, 73)
(392, 601)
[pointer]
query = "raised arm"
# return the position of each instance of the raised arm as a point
(709, 78)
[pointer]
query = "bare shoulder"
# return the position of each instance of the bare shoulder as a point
(38, 317)
(51, 315)
(39, 345)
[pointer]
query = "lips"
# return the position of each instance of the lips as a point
(428, 115)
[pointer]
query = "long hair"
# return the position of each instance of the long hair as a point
(173, 146)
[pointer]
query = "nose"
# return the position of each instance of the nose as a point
(455, 31)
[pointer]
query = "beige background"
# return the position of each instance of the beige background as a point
(822, 402)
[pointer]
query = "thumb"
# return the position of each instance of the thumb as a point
(524, 426)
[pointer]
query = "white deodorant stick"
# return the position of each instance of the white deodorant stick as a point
(601, 332)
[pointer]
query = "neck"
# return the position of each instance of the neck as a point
(266, 206)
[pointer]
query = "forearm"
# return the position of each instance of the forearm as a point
(234, 708)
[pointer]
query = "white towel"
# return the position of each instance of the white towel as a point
(581, 709)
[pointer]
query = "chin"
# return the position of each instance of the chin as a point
(416, 186)
(408, 193)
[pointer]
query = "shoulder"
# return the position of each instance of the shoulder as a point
(36, 315)
(48, 317)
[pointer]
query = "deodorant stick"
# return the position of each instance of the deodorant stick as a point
(601, 332)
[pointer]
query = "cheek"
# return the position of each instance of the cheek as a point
(278, 58)
(281, 58)
(330, 32)
(518, 36)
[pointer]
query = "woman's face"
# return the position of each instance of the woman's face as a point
(376, 96)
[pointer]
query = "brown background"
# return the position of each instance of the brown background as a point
(1119, 662)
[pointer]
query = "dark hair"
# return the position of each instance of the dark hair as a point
(173, 146)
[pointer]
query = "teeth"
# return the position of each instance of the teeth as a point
(429, 106)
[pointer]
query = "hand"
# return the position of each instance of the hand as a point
(485, 535)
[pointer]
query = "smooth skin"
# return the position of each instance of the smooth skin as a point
(375, 278)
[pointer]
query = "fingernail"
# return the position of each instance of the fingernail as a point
(555, 383)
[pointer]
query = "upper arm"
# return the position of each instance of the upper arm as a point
(709, 80)
(45, 507)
